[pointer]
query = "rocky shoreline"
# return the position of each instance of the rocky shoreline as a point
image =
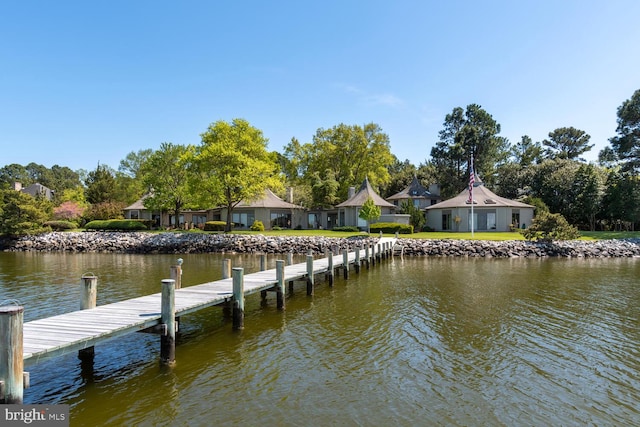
(149, 243)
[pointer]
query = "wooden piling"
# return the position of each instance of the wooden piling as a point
(167, 318)
(289, 258)
(280, 285)
(226, 268)
(88, 299)
(330, 268)
(345, 263)
(11, 361)
(356, 264)
(263, 262)
(309, 274)
(367, 255)
(238, 298)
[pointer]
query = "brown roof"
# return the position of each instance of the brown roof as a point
(482, 197)
(269, 200)
(362, 195)
(415, 190)
(137, 205)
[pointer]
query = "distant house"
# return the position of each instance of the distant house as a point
(416, 194)
(270, 209)
(188, 217)
(349, 210)
(490, 212)
(35, 190)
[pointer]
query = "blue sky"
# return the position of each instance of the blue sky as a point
(85, 82)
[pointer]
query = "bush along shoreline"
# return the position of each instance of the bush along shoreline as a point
(176, 243)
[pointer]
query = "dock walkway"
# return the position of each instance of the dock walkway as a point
(65, 333)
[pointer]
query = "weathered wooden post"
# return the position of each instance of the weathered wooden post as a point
(11, 351)
(309, 274)
(88, 298)
(373, 253)
(330, 268)
(345, 263)
(176, 273)
(238, 298)
(289, 258)
(263, 262)
(226, 268)
(356, 264)
(168, 319)
(280, 285)
(366, 254)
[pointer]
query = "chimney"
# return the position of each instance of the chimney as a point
(351, 193)
(17, 186)
(290, 194)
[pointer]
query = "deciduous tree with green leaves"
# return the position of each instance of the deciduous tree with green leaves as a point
(369, 212)
(232, 164)
(167, 174)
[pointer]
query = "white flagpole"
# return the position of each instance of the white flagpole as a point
(471, 183)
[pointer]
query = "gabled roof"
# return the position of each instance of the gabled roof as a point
(138, 205)
(269, 200)
(482, 197)
(415, 190)
(362, 195)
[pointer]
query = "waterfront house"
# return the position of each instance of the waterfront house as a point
(417, 195)
(490, 212)
(35, 190)
(349, 210)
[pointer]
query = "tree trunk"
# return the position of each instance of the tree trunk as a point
(227, 227)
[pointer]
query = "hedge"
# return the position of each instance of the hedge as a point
(391, 227)
(117, 225)
(214, 225)
(61, 225)
(349, 228)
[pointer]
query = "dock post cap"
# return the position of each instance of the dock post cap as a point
(11, 309)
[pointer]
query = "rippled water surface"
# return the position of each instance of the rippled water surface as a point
(414, 341)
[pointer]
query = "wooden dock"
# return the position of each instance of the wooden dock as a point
(81, 330)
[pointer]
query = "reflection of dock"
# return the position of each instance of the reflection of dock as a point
(38, 340)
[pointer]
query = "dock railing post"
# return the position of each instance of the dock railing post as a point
(309, 274)
(356, 265)
(238, 298)
(176, 274)
(88, 299)
(263, 262)
(226, 268)
(366, 254)
(280, 285)
(345, 263)
(289, 258)
(168, 319)
(330, 267)
(11, 355)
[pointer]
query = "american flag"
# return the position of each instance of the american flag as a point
(472, 180)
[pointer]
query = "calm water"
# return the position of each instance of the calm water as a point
(415, 341)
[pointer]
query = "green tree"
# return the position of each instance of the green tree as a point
(168, 175)
(621, 200)
(324, 189)
(369, 212)
(416, 215)
(588, 191)
(468, 134)
(400, 176)
(526, 152)
(14, 173)
(627, 143)
(552, 181)
(129, 177)
(21, 214)
(547, 227)
(100, 185)
(233, 164)
(346, 154)
(567, 143)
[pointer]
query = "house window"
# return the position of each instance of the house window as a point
(134, 215)
(483, 219)
(199, 219)
(446, 220)
(515, 218)
(280, 219)
(243, 219)
(416, 203)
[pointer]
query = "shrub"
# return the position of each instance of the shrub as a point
(68, 211)
(547, 227)
(117, 225)
(257, 226)
(61, 225)
(391, 227)
(214, 225)
(276, 228)
(348, 228)
(104, 210)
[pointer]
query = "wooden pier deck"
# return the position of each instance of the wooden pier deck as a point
(78, 330)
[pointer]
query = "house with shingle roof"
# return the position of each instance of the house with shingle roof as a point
(349, 210)
(490, 212)
(416, 194)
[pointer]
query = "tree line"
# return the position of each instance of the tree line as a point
(232, 163)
